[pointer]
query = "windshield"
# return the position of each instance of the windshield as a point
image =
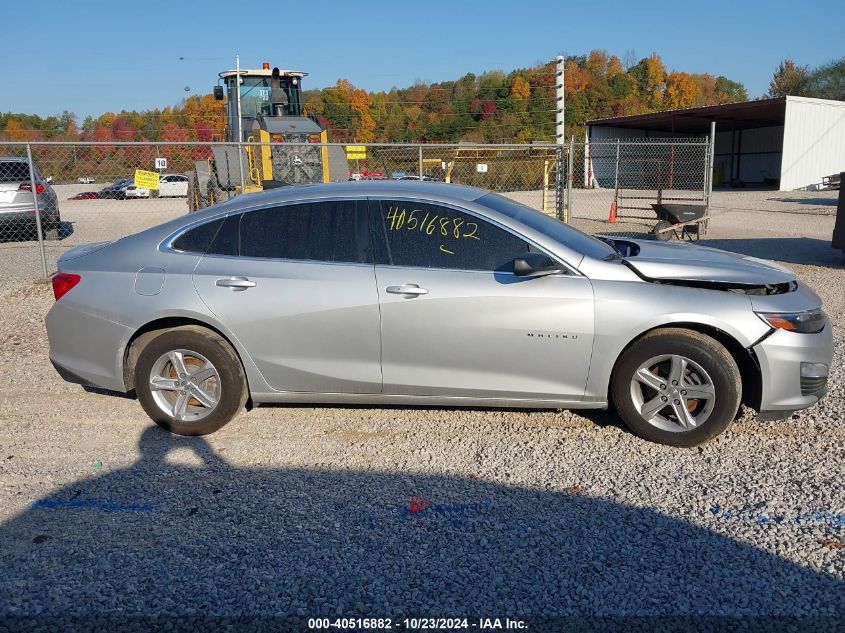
(563, 233)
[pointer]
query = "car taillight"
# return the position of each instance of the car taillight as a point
(63, 282)
(25, 186)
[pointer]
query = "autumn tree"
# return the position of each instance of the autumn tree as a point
(680, 91)
(520, 89)
(14, 131)
(655, 80)
(788, 79)
(614, 68)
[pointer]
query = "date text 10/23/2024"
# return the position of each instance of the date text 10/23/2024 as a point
(415, 624)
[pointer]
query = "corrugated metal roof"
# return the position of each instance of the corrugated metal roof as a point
(744, 114)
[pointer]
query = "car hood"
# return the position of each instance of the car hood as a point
(675, 262)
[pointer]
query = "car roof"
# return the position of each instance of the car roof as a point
(435, 191)
(14, 159)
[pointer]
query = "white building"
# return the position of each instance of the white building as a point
(788, 142)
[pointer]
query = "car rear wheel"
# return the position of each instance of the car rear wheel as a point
(676, 387)
(190, 381)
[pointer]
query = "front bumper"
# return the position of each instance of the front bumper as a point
(780, 356)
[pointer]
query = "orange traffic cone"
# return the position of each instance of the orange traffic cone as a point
(612, 217)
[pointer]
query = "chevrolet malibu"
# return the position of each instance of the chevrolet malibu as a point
(431, 294)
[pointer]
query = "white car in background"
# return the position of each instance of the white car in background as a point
(173, 186)
(85, 180)
(136, 192)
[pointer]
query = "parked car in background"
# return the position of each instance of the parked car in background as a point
(367, 175)
(85, 180)
(136, 192)
(17, 201)
(428, 294)
(173, 186)
(86, 195)
(116, 190)
(415, 177)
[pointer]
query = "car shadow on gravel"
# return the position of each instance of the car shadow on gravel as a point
(791, 250)
(185, 537)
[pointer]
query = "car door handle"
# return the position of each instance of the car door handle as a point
(409, 290)
(235, 283)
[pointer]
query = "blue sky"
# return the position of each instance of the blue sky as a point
(96, 56)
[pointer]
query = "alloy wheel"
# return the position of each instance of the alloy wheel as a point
(185, 385)
(673, 393)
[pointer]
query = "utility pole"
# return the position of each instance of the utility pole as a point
(561, 205)
(559, 100)
(238, 89)
(240, 122)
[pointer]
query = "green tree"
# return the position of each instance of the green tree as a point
(728, 91)
(827, 81)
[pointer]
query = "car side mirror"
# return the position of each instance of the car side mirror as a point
(534, 265)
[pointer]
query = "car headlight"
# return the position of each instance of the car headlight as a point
(808, 322)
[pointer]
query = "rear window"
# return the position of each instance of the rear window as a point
(13, 171)
(197, 239)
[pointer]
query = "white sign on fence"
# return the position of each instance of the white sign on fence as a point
(481, 168)
(161, 163)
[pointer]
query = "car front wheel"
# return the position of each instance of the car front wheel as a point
(190, 381)
(677, 387)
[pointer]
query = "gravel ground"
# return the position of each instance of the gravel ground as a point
(357, 512)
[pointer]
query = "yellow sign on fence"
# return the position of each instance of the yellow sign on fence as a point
(356, 152)
(146, 179)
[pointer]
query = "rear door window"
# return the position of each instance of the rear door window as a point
(330, 231)
(407, 233)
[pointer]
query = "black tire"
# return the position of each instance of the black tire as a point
(701, 349)
(233, 385)
(659, 232)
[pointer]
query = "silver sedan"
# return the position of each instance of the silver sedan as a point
(415, 293)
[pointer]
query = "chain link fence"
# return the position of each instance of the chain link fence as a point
(615, 183)
(54, 196)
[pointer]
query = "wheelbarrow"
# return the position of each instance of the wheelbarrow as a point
(681, 221)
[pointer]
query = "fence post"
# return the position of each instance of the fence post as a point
(32, 184)
(241, 166)
(616, 178)
(545, 202)
(709, 173)
(420, 163)
(569, 176)
(559, 176)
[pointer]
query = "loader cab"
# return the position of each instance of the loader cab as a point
(265, 93)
